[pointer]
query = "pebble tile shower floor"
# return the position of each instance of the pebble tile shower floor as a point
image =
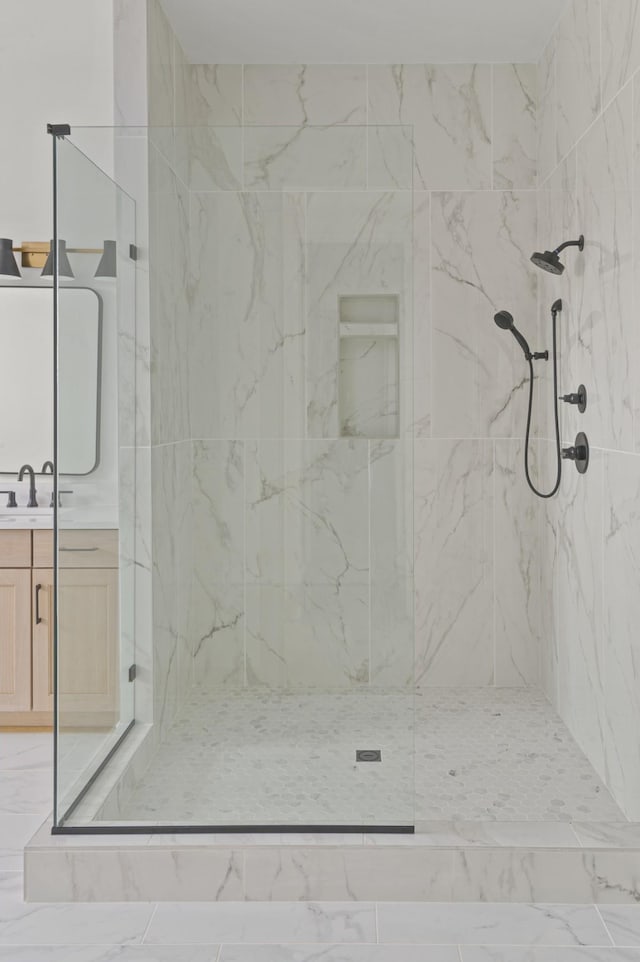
(269, 758)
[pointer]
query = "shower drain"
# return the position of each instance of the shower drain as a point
(368, 755)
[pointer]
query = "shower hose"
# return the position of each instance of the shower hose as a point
(554, 318)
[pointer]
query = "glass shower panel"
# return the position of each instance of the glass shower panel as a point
(281, 272)
(91, 649)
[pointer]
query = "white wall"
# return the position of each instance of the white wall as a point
(56, 65)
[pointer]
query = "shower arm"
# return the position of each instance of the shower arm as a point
(574, 243)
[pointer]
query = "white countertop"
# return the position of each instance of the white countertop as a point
(81, 516)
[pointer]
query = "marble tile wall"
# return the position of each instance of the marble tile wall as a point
(167, 470)
(590, 535)
(291, 186)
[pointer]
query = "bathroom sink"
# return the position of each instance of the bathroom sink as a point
(26, 518)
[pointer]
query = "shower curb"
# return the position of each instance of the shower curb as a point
(210, 868)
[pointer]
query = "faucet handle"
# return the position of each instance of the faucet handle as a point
(11, 500)
(47, 468)
(60, 493)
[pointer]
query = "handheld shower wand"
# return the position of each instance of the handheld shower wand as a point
(505, 321)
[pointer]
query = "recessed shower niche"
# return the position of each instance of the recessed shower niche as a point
(368, 381)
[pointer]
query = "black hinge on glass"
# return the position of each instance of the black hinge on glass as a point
(133, 252)
(59, 130)
(132, 672)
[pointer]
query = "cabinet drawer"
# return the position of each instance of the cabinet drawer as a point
(15, 549)
(77, 549)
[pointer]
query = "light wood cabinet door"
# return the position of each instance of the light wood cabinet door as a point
(15, 639)
(88, 651)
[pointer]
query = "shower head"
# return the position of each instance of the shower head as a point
(505, 322)
(549, 260)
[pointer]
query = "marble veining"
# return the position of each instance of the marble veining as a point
(449, 109)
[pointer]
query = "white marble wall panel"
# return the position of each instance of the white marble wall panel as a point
(130, 86)
(169, 243)
(449, 107)
(621, 616)
(546, 126)
(247, 325)
(307, 635)
(481, 245)
(454, 562)
(216, 603)
(581, 670)
(516, 568)
(160, 75)
(420, 345)
(550, 514)
(299, 158)
(209, 158)
(209, 95)
(170, 465)
(390, 164)
(368, 387)
(620, 22)
(299, 94)
(636, 246)
(308, 512)
(357, 243)
(607, 337)
(577, 68)
(391, 533)
(514, 125)
(307, 544)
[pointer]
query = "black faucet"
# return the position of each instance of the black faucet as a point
(27, 469)
(47, 468)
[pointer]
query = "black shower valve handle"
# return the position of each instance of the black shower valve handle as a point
(579, 398)
(576, 452)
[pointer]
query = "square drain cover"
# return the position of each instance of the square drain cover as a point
(368, 755)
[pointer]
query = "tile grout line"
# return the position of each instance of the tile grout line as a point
(148, 926)
(606, 927)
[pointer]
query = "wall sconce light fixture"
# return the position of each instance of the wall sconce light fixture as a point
(38, 254)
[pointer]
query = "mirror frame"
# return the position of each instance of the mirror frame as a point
(67, 287)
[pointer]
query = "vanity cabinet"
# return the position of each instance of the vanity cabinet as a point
(89, 629)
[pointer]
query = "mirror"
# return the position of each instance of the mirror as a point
(26, 378)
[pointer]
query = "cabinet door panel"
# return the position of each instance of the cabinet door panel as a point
(88, 651)
(15, 639)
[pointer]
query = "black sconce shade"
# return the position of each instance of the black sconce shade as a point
(107, 265)
(64, 267)
(8, 263)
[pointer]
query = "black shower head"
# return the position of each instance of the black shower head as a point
(549, 260)
(505, 321)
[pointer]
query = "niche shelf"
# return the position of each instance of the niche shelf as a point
(368, 383)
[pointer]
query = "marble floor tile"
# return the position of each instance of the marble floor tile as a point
(623, 923)
(261, 922)
(475, 923)
(15, 832)
(118, 923)
(26, 792)
(111, 953)
(338, 953)
(20, 750)
(519, 953)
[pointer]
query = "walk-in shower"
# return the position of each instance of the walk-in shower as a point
(332, 602)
